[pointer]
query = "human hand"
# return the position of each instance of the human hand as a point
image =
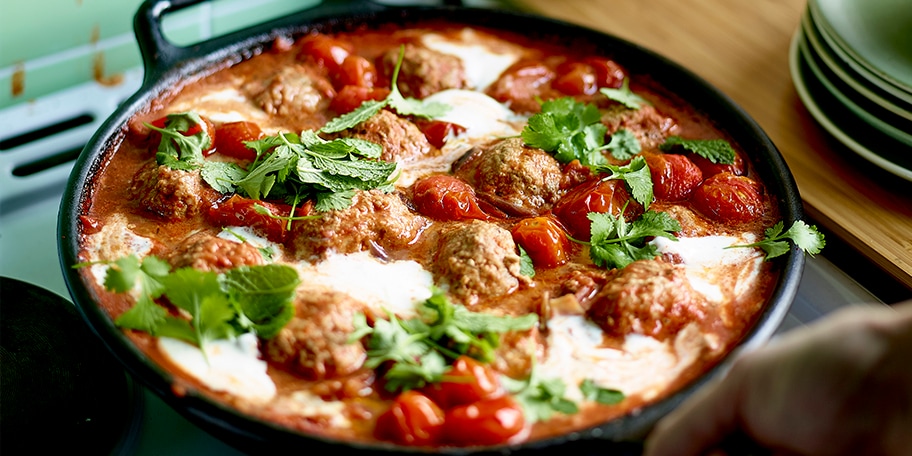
(840, 386)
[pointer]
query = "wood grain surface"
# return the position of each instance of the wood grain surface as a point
(742, 48)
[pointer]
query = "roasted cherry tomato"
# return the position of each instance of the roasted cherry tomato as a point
(576, 78)
(605, 196)
(230, 138)
(351, 96)
(726, 197)
(325, 51)
(466, 382)
(413, 419)
(356, 71)
(737, 167)
(444, 197)
(486, 422)
(437, 131)
(544, 240)
(608, 73)
(674, 176)
(240, 211)
(521, 84)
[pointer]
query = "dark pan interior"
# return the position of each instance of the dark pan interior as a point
(167, 65)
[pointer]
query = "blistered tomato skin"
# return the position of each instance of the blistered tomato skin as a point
(325, 51)
(544, 240)
(709, 169)
(603, 196)
(413, 419)
(466, 382)
(357, 71)
(444, 197)
(674, 176)
(487, 422)
(240, 211)
(726, 197)
(576, 78)
(230, 138)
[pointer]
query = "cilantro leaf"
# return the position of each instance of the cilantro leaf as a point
(540, 397)
(623, 145)
(714, 150)
(177, 150)
(222, 175)
(804, 236)
(568, 129)
(624, 96)
(616, 244)
(637, 177)
(596, 393)
(127, 273)
(402, 105)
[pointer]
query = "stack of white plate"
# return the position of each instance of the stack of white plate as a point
(851, 62)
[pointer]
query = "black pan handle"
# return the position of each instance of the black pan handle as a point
(160, 55)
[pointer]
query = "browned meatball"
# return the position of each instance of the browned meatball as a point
(291, 91)
(649, 297)
(647, 124)
(517, 179)
(375, 220)
(401, 139)
(477, 260)
(315, 342)
(424, 71)
(209, 253)
(170, 193)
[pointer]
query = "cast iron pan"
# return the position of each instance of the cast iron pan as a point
(166, 65)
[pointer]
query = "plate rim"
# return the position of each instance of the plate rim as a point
(798, 81)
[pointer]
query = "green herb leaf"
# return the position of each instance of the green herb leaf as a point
(637, 177)
(264, 295)
(623, 145)
(539, 397)
(222, 175)
(568, 129)
(714, 150)
(176, 150)
(596, 393)
(526, 267)
(806, 237)
(348, 120)
(615, 244)
(624, 96)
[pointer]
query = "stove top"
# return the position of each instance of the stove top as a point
(38, 143)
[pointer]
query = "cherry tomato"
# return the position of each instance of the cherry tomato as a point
(240, 211)
(486, 422)
(230, 138)
(446, 198)
(413, 419)
(608, 73)
(351, 96)
(466, 382)
(576, 78)
(325, 51)
(356, 71)
(437, 131)
(674, 176)
(544, 240)
(726, 197)
(521, 83)
(737, 167)
(605, 196)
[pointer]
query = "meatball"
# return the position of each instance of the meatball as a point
(291, 91)
(649, 297)
(424, 71)
(477, 260)
(209, 253)
(170, 193)
(517, 179)
(375, 220)
(648, 125)
(315, 342)
(516, 351)
(401, 139)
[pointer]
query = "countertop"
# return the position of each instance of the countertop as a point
(742, 48)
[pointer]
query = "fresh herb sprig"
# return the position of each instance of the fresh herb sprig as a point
(804, 236)
(593, 392)
(615, 244)
(569, 130)
(540, 397)
(419, 351)
(402, 105)
(624, 96)
(635, 174)
(220, 305)
(714, 150)
(178, 150)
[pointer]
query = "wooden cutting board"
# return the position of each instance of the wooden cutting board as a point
(742, 48)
